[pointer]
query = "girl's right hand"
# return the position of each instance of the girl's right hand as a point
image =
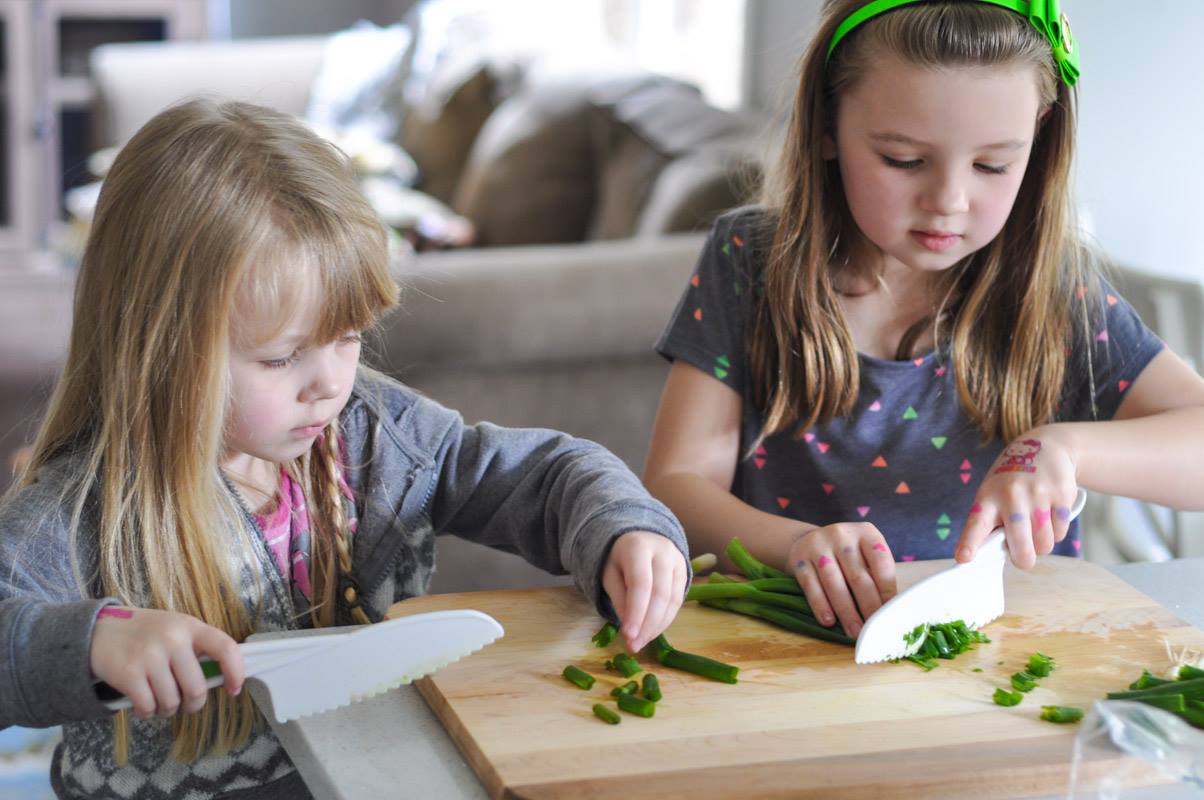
(846, 571)
(150, 656)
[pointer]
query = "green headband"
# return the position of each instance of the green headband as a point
(1043, 14)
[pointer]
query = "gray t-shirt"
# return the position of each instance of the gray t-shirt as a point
(907, 458)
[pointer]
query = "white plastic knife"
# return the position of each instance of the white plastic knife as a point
(972, 593)
(313, 673)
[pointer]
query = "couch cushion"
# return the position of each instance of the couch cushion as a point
(530, 175)
(438, 131)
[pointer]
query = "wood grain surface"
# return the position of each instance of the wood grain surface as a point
(804, 721)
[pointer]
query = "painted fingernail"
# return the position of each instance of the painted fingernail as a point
(848, 548)
(976, 509)
(824, 561)
(1016, 516)
(800, 565)
(1063, 513)
(880, 547)
(1041, 517)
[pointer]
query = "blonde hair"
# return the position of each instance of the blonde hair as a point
(210, 209)
(1010, 308)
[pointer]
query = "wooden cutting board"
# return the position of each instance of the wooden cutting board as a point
(804, 721)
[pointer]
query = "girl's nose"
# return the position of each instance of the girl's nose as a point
(325, 382)
(946, 196)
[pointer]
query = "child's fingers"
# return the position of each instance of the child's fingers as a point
(637, 581)
(163, 684)
(191, 680)
(860, 582)
(141, 696)
(677, 588)
(881, 564)
(804, 573)
(982, 520)
(1020, 537)
(219, 646)
(660, 601)
(837, 590)
(1060, 520)
(1042, 527)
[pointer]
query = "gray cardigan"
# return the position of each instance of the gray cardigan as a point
(416, 471)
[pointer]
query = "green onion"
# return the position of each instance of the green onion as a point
(1061, 713)
(1040, 665)
(606, 715)
(605, 635)
(652, 687)
(1192, 689)
(689, 662)
(637, 705)
(1175, 703)
(626, 688)
(580, 677)
(748, 564)
(1147, 680)
(1005, 698)
(785, 618)
(1023, 682)
(1187, 672)
(627, 665)
(703, 562)
(729, 591)
(780, 585)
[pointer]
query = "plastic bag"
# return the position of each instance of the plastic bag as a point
(1162, 745)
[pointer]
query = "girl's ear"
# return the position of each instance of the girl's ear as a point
(828, 147)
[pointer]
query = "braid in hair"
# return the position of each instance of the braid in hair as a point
(331, 549)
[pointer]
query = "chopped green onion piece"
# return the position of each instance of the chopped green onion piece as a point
(703, 562)
(605, 635)
(637, 705)
(1061, 713)
(652, 687)
(1023, 682)
(1005, 698)
(1187, 672)
(626, 688)
(606, 715)
(689, 662)
(578, 676)
(1039, 665)
(627, 665)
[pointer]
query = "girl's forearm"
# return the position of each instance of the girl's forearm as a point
(711, 516)
(1156, 458)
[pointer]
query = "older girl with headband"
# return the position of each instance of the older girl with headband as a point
(905, 344)
(215, 463)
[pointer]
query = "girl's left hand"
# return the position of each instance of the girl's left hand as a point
(1029, 490)
(645, 577)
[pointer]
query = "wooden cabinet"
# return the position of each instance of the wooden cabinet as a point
(46, 98)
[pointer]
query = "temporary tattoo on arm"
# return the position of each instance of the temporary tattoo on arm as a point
(1019, 457)
(113, 611)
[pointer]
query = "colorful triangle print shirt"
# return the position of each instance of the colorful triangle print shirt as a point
(907, 458)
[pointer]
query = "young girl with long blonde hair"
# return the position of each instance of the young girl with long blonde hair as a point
(905, 344)
(214, 462)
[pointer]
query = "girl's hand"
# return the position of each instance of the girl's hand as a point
(1029, 490)
(846, 571)
(151, 657)
(645, 578)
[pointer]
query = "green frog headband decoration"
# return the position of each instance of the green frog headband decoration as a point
(1044, 15)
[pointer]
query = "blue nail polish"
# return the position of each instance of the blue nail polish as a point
(1063, 513)
(1016, 516)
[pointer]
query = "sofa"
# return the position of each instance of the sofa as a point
(589, 196)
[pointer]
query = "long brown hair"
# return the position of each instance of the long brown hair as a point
(208, 209)
(1012, 305)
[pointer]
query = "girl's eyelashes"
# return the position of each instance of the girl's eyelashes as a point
(910, 163)
(295, 356)
(280, 363)
(913, 163)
